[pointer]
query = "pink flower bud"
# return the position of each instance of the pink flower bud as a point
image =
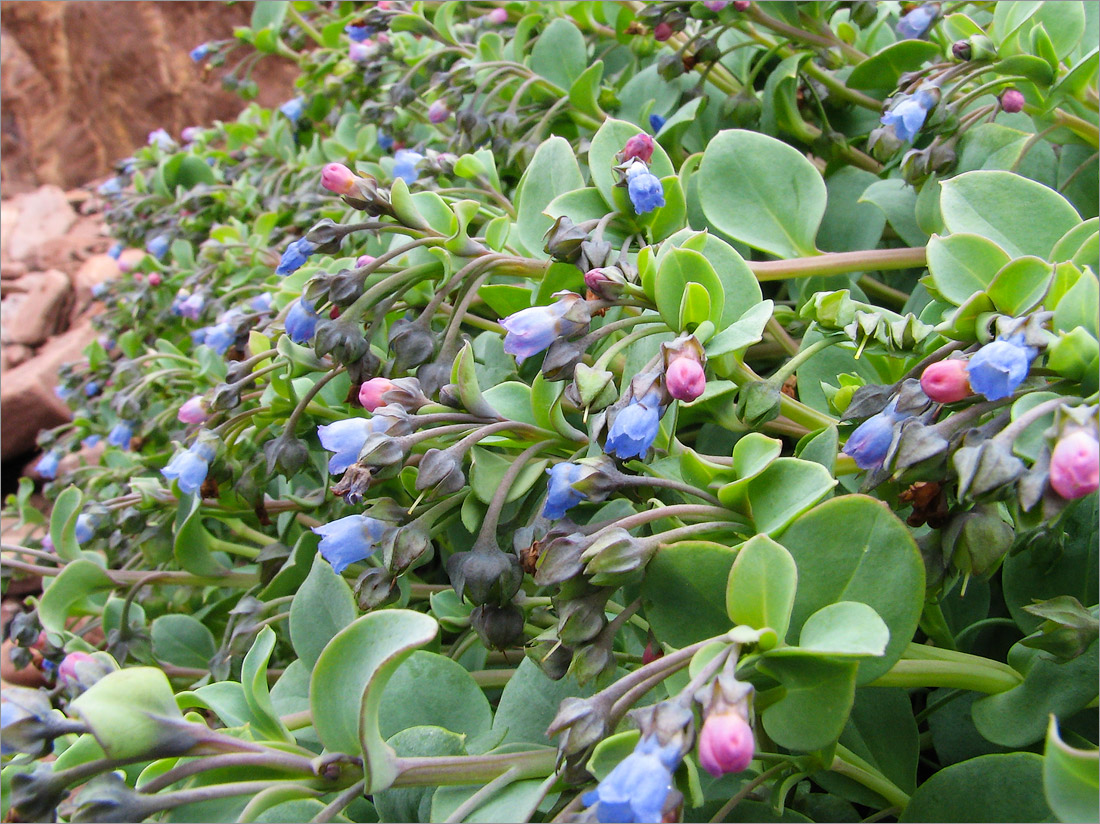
(363, 260)
(154, 278)
(1075, 465)
(685, 379)
(498, 16)
(193, 411)
(370, 393)
(338, 178)
(138, 276)
(661, 32)
(1012, 101)
(639, 146)
(741, 5)
(725, 744)
(946, 381)
(438, 112)
(359, 52)
(715, 5)
(190, 133)
(66, 670)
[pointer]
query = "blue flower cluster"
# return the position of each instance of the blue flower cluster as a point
(635, 427)
(917, 22)
(637, 789)
(347, 438)
(294, 109)
(560, 494)
(158, 246)
(295, 257)
(189, 468)
(908, 115)
(199, 52)
(998, 368)
(404, 164)
(645, 189)
(301, 321)
(871, 440)
(346, 541)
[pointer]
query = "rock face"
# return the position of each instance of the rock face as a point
(84, 83)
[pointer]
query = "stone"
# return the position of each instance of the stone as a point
(85, 237)
(15, 354)
(95, 270)
(12, 269)
(43, 215)
(73, 107)
(27, 400)
(41, 310)
(9, 216)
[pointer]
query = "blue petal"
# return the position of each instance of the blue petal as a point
(47, 466)
(188, 469)
(634, 429)
(998, 368)
(871, 441)
(646, 192)
(560, 494)
(348, 540)
(530, 331)
(301, 322)
(346, 439)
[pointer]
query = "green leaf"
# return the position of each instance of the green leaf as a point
(488, 470)
(677, 269)
(740, 287)
(962, 264)
(553, 171)
(254, 680)
(882, 69)
(1070, 781)
(1018, 717)
(132, 712)
(66, 509)
(431, 690)
(560, 54)
(183, 641)
(761, 586)
(268, 13)
(786, 489)
(1078, 306)
(1020, 285)
(414, 803)
(881, 730)
(189, 545)
(812, 713)
(854, 548)
(323, 606)
(187, 171)
(851, 223)
(846, 628)
(584, 93)
(752, 454)
(762, 192)
(70, 593)
(740, 335)
(1019, 215)
(530, 701)
(899, 202)
(515, 802)
(988, 788)
(683, 590)
(348, 681)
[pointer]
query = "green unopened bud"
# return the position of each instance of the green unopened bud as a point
(551, 656)
(287, 454)
(743, 108)
(564, 239)
(375, 588)
(615, 553)
(595, 388)
(485, 576)
(411, 342)
(977, 541)
(411, 547)
(581, 723)
(559, 559)
(343, 338)
(582, 619)
(591, 662)
(326, 236)
(36, 794)
(758, 403)
(498, 627)
(441, 471)
(1069, 628)
(985, 468)
(108, 798)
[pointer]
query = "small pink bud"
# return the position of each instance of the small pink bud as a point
(661, 32)
(946, 381)
(384, 4)
(359, 52)
(193, 411)
(716, 5)
(639, 146)
(66, 670)
(1012, 101)
(338, 178)
(138, 276)
(438, 112)
(685, 379)
(725, 744)
(190, 133)
(741, 5)
(334, 312)
(154, 278)
(370, 393)
(1075, 465)
(363, 260)
(498, 16)
(651, 653)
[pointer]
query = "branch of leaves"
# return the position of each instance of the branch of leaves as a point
(870, 327)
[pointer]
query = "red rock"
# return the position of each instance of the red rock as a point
(41, 310)
(85, 237)
(95, 270)
(12, 269)
(9, 216)
(27, 401)
(43, 215)
(15, 354)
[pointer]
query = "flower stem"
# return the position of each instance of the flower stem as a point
(839, 263)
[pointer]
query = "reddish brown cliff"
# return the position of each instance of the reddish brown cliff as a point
(84, 83)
